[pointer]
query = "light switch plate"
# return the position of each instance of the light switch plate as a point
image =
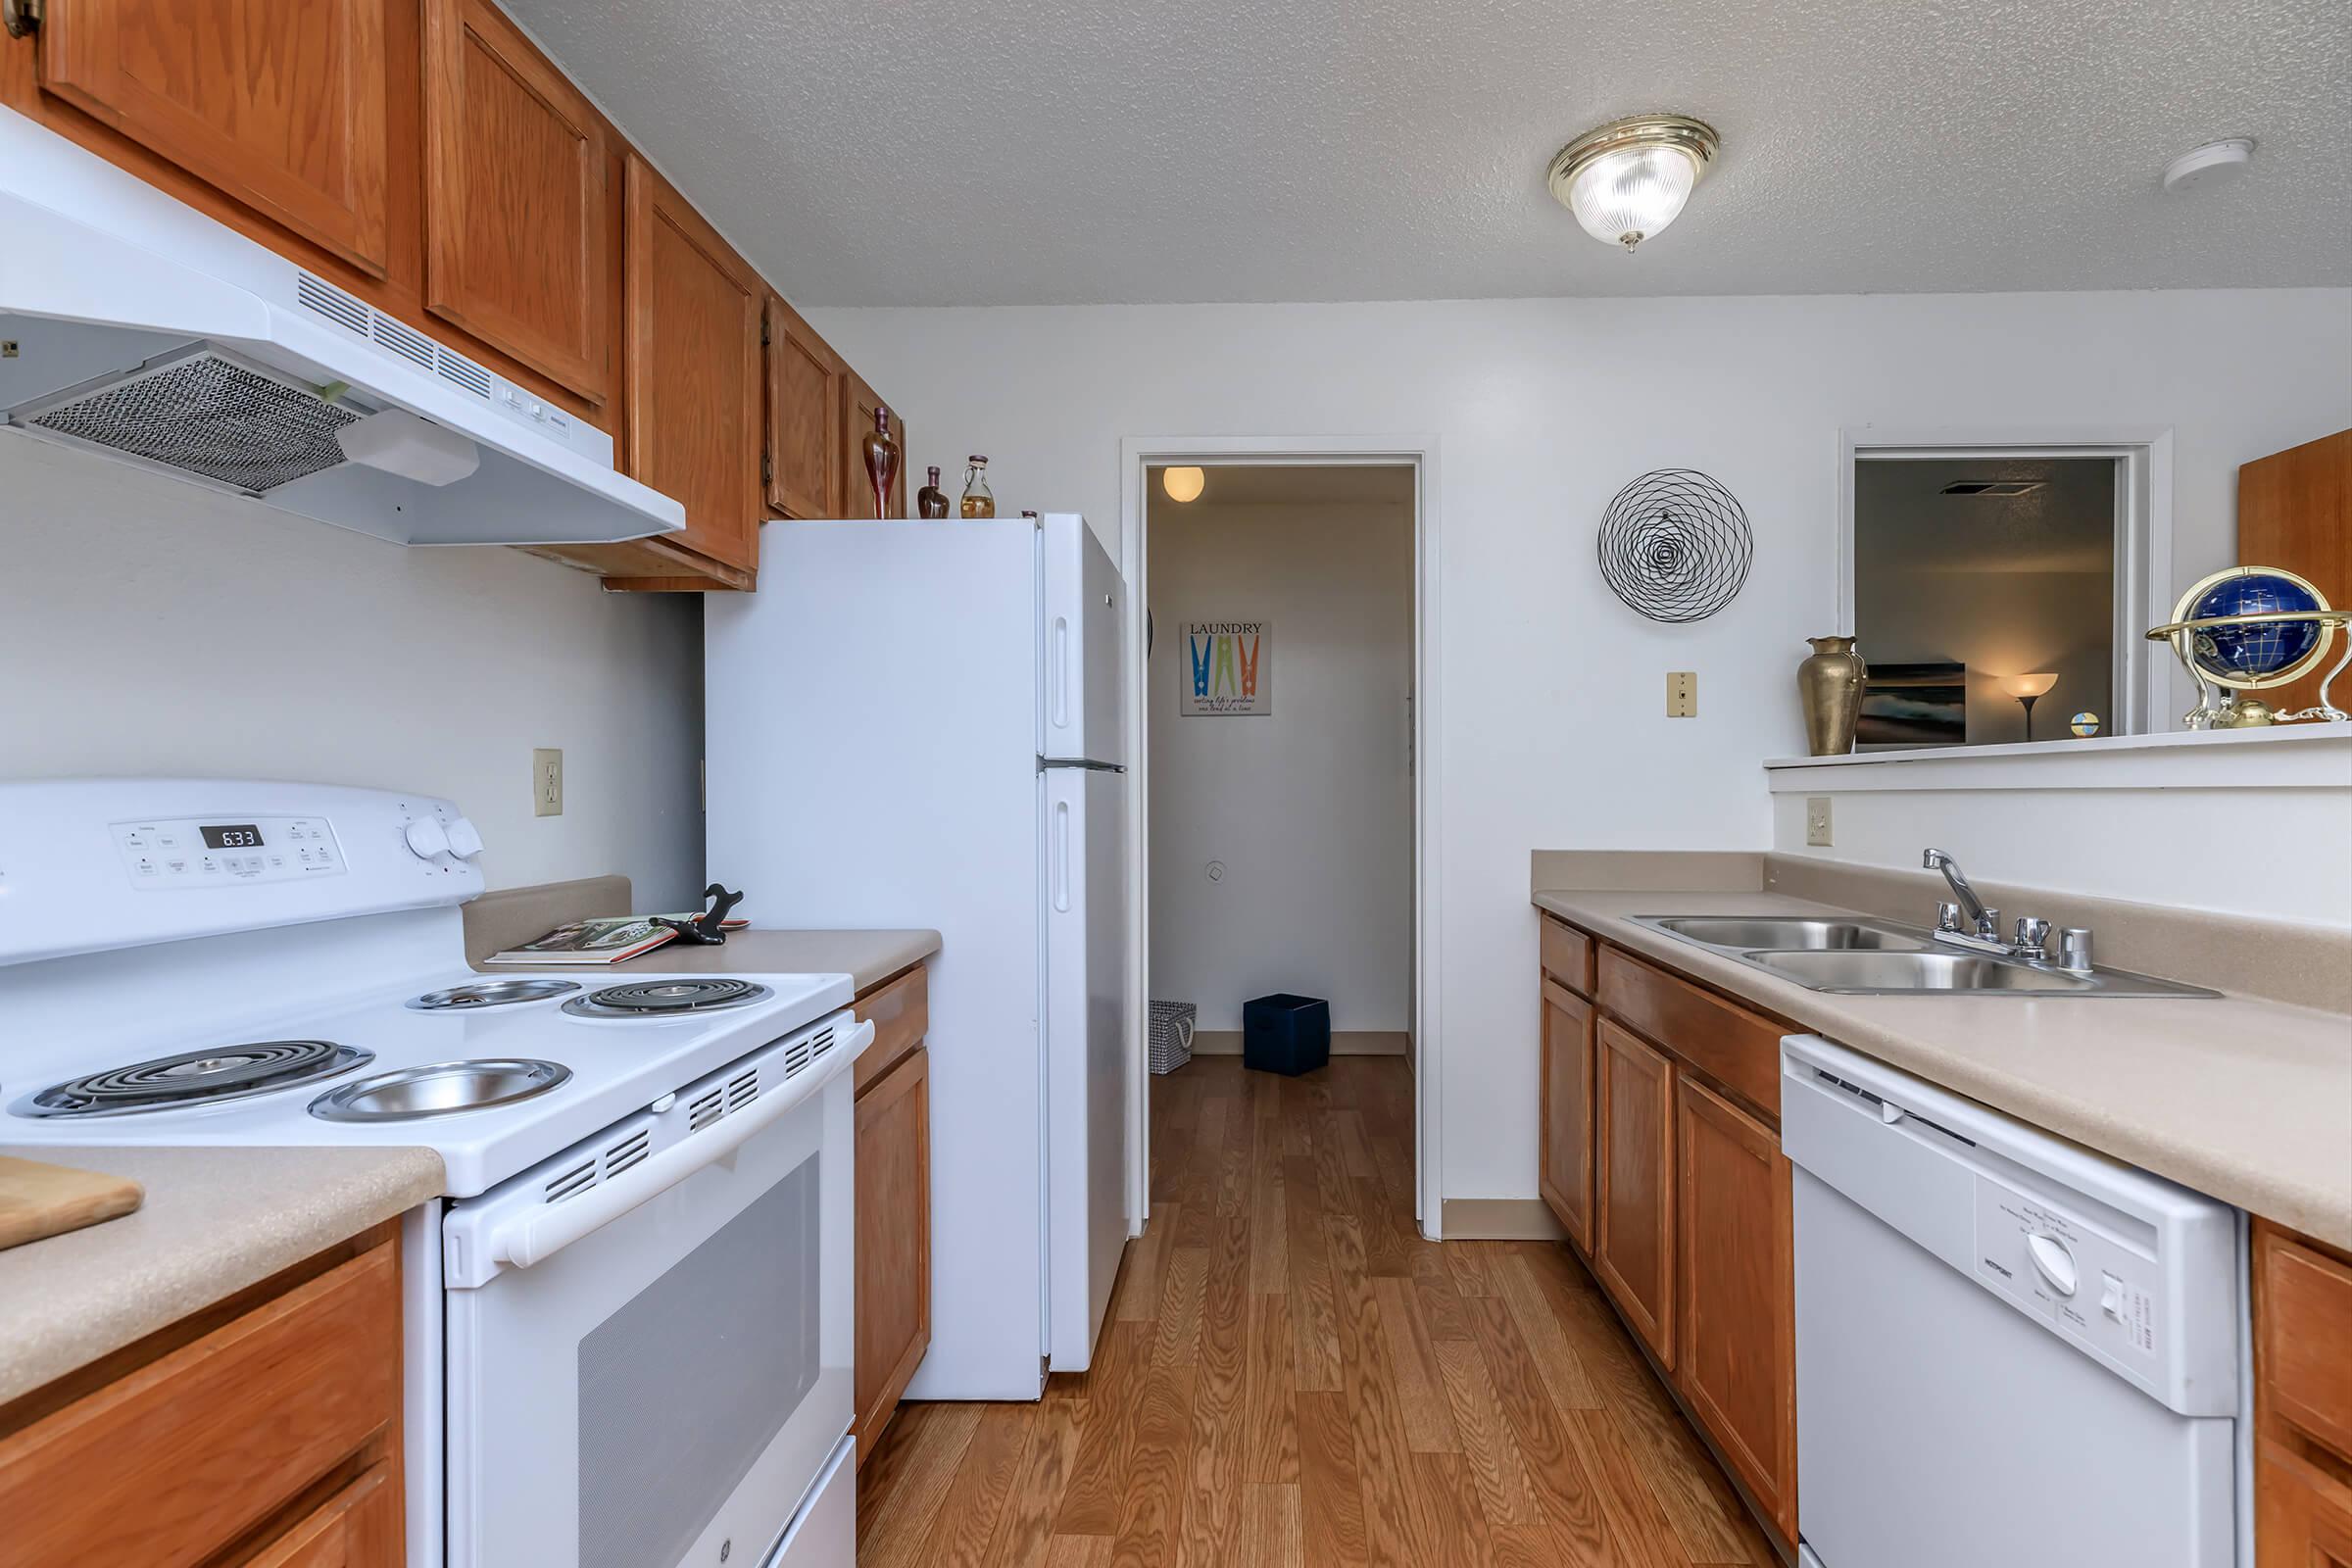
(547, 781)
(1817, 821)
(1681, 694)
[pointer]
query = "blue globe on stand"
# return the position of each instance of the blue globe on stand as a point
(2265, 648)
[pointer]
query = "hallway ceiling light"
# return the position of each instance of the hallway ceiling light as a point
(1631, 177)
(1183, 484)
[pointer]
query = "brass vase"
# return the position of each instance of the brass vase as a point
(881, 461)
(1831, 683)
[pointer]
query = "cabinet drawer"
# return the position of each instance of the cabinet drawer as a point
(901, 1013)
(1567, 955)
(2303, 1328)
(357, 1527)
(1737, 1049)
(168, 1465)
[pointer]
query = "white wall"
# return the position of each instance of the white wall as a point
(153, 627)
(1309, 807)
(1553, 734)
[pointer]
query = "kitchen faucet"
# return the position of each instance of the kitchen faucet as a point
(2032, 939)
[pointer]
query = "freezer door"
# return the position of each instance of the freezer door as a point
(1086, 1078)
(1085, 616)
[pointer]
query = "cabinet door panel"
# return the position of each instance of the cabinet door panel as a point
(859, 403)
(804, 417)
(1737, 1291)
(2302, 1513)
(693, 406)
(515, 170)
(893, 1240)
(279, 104)
(1567, 1112)
(1633, 1249)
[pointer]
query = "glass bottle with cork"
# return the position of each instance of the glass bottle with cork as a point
(977, 500)
(931, 501)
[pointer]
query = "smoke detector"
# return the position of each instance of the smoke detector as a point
(2215, 163)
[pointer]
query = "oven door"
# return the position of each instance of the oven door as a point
(664, 1386)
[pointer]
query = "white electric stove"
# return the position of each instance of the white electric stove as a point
(641, 1168)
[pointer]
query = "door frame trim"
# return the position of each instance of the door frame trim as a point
(1137, 455)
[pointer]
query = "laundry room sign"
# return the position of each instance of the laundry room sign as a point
(1229, 668)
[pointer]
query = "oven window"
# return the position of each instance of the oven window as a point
(685, 1386)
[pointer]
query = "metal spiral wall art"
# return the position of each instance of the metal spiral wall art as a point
(1675, 545)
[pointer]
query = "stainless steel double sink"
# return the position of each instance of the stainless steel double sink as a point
(1862, 955)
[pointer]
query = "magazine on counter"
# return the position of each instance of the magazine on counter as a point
(609, 939)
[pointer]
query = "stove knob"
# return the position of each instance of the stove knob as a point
(464, 839)
(426, 838)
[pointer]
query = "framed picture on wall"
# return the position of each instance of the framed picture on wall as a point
(1913, 704)
(1228, 669)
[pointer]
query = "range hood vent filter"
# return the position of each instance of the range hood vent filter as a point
(206, 414)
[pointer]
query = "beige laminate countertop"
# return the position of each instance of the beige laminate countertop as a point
(867, 957)
(2248, 1101)
(215, 1221)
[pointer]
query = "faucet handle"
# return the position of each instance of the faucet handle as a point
(2032, 934)
(1948, 916)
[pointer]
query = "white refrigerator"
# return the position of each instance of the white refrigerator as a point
(919, 723)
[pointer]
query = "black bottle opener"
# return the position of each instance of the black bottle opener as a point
(705, 928)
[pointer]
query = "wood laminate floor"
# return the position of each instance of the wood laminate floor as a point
(1292, 1376)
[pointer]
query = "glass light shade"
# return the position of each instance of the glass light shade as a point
(1183, 484)
(2027, 685)
(1630, 194)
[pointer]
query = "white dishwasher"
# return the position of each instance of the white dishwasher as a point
(2009, 1350)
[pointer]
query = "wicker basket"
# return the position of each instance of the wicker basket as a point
(1171, 1033)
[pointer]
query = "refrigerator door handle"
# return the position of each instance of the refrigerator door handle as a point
(1062, 856)
(1060, 673)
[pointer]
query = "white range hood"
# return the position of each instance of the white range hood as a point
(137, 327)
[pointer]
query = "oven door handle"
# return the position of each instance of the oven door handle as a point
(540, 1234)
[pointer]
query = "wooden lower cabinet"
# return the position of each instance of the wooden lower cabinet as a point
(270, 1437)
(1633, 1248)
(894, 1217)
(2302, 1401)
(1736, 1360)
(1565, 1178)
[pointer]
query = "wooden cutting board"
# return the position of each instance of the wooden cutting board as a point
(38, 1199)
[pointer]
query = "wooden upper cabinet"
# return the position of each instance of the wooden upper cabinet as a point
(804, 418)
(1633, 1247)
(2294, 509)
(1736, 1288)
(517, 243)
(693, 406)
(859, 403)
(278, 104)
(1565, 1173)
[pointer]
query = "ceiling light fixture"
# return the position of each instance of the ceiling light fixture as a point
(1631, 177)
(1183, 484)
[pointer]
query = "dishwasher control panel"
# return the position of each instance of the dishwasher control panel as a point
(2089, 1286)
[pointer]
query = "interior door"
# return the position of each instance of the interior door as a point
(1086, 1089)
(279, 104)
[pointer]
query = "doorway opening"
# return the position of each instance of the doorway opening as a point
(1280, 645)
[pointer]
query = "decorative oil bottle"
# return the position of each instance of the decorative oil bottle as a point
(931, 501)
(977, 501)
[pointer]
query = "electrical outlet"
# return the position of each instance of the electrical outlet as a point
(547, 781)
(1817, 821)
(1681, 694)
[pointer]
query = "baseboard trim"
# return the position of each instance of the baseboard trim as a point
(1344, 1043)
(1501, 1219)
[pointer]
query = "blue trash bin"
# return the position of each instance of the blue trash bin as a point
(1285, 1034)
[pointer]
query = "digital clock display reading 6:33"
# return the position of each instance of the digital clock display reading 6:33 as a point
(241, 835)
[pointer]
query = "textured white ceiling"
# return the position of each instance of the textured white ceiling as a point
(938, 152)
(1906, 523)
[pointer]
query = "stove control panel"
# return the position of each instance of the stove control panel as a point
(160, 855)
